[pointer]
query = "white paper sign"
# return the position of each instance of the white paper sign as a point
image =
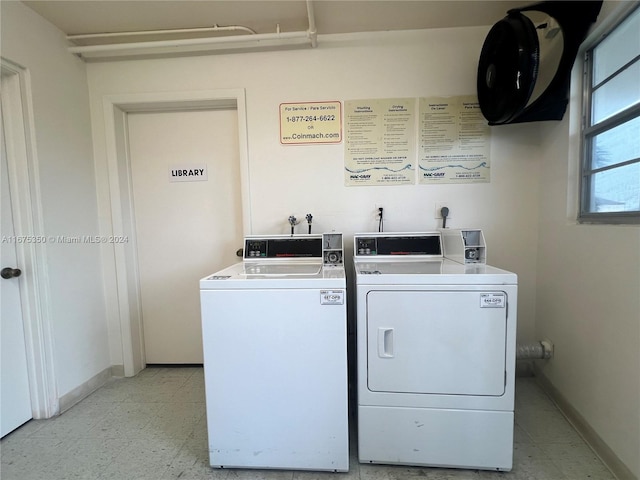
(455, 141)
(379, 147)
(188, 173)
(331, 297)
(492, 300)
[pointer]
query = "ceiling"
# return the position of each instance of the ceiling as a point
(266, 16)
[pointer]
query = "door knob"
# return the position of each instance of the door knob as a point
(9, 272)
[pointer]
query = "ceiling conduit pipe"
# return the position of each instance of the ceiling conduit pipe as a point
(191, 45)
(215, 28)
(313, 32)
(187, 45)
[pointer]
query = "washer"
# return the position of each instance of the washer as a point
(275, 356)
(436, 355)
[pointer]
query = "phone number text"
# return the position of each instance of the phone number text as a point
(310, 118)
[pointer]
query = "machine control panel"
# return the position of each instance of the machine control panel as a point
(256, 248)
(366, 246)
(410, 244)
(309, 246)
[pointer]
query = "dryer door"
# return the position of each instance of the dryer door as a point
(437, 342)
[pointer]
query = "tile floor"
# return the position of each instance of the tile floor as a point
(152, 427)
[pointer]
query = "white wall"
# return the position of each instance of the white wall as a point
(67, 182)
(588, 306)
(286, 180)
(578, 284)
(588, 297)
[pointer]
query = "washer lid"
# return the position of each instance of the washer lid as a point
(245, 275)
(282, 269)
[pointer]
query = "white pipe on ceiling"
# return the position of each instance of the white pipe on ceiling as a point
(215, 28)
(191, 45)
(187, 45)
(313, 33)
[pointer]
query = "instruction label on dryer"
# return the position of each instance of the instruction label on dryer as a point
(331, 297)
(493, 300)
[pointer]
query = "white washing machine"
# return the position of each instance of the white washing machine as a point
(436, 355)
(275, 356)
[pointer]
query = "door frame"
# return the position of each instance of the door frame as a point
(26, 206)
(125, 287)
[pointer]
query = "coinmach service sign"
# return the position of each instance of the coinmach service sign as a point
(310, 122)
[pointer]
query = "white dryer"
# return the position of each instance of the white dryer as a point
(436, 355)
(275, 356)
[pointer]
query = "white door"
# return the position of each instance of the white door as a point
(437, 342)
(185, 229)
(15, 398)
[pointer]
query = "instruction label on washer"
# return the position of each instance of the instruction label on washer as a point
(493, 300)
(331, 297)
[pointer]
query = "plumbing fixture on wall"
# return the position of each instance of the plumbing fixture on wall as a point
(293, 221)
(444, 212)
(437, 214)
(309, 218)
(542, 350)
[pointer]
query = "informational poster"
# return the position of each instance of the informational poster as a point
(380, 142)
(454, 141)
(310, 122)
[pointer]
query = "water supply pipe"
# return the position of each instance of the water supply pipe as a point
(542, 350)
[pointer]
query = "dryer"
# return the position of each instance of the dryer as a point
(435, 353)
(275, 356)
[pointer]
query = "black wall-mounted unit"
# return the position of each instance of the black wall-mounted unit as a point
(524, 71)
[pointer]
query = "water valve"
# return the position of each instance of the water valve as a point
(293, 221)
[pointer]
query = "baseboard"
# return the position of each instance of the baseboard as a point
(117, 370)
(597, 444)
(87, 388)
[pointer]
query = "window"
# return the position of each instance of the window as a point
(610, 186)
